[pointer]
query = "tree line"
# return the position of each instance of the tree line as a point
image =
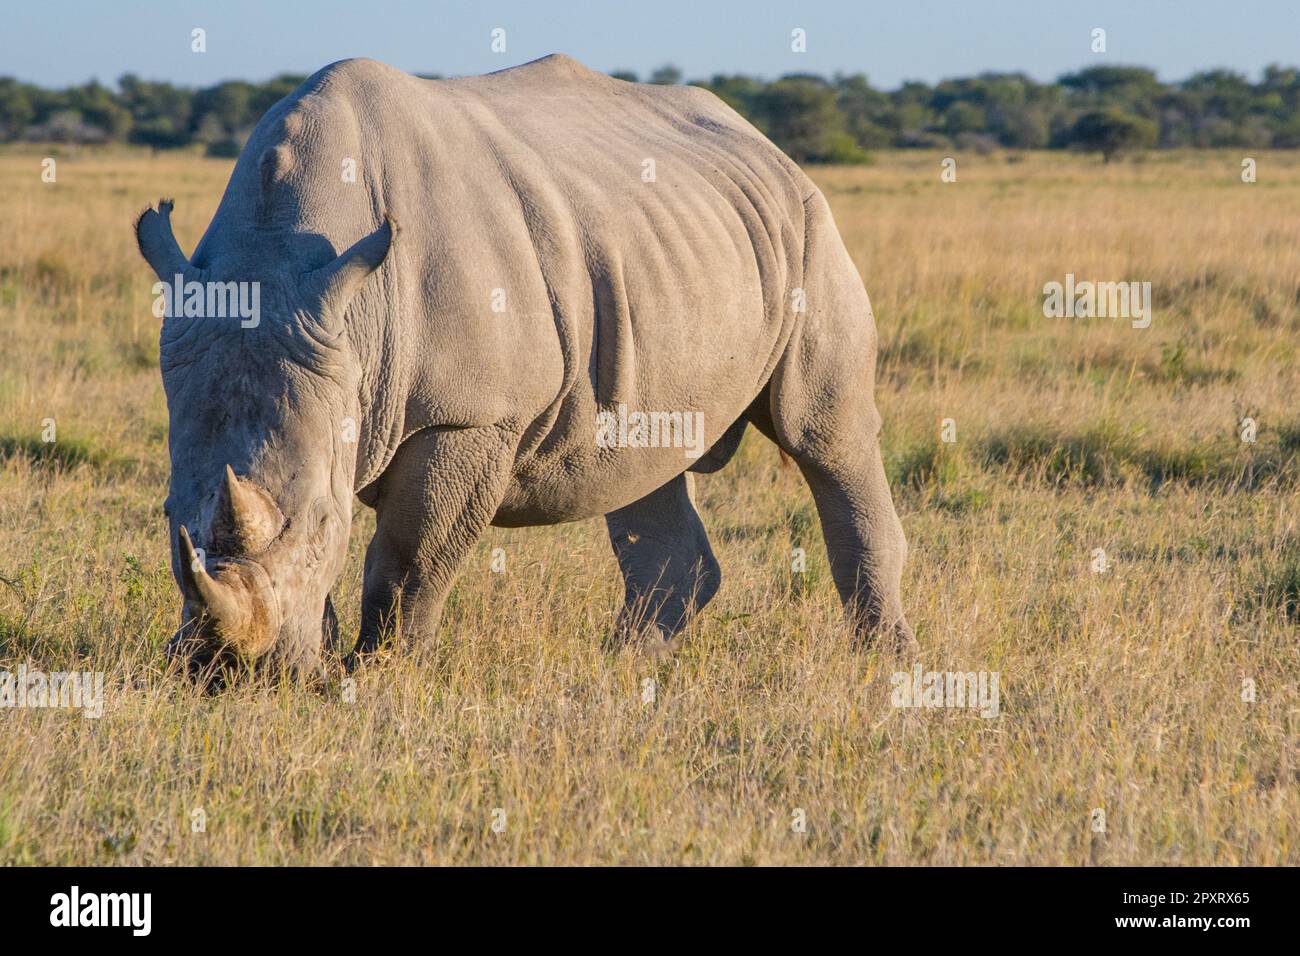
(1108, 109)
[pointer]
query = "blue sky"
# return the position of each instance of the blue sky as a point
(59, 42)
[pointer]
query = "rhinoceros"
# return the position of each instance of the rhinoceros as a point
(467, 289)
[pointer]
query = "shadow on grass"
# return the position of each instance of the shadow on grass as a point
(1101, 455)
(1274, 585)
(62, 454)
(1107, 455)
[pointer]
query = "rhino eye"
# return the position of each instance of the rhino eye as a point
(321, 512)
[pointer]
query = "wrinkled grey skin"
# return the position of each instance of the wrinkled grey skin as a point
(438, 337)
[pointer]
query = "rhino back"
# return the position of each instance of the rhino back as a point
(640, 243)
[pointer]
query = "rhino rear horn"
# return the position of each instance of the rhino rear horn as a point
(245, 519)
(337, 282)
(157, 242)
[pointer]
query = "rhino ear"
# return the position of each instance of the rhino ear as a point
(157, 242)
(337, 282)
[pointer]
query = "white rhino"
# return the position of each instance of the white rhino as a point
(573, 250)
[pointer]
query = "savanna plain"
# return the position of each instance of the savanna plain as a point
(1161, 691)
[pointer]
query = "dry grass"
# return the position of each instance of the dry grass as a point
(1120, 691)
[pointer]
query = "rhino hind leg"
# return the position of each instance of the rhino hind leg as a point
(669, 571)
(432, 504)
(864, 538)
(836, 445)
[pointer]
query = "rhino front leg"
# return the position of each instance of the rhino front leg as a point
(435, 500)
(669, 570)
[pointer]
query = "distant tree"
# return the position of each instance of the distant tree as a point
(1106, 108)
(963, 117)
(99, 107)
(158, 134)
(160, 112)
(223, 110)
(801, 116)
(667, 75)
(1111, 132)
(868, 134)
(980, 143)
(66, 126)
(1023, 128)
(16, 108)
(228, 147)
(865, 111)
(1111, 81)
(628, 75)
(912, 117)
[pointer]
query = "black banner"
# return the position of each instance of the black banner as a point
(1220, 906)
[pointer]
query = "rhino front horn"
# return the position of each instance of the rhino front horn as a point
(245, 520)
(218, 601)
(237, 605)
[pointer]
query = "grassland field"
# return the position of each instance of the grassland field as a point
(1161, 692)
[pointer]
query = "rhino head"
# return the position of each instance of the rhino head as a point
(260, 497)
